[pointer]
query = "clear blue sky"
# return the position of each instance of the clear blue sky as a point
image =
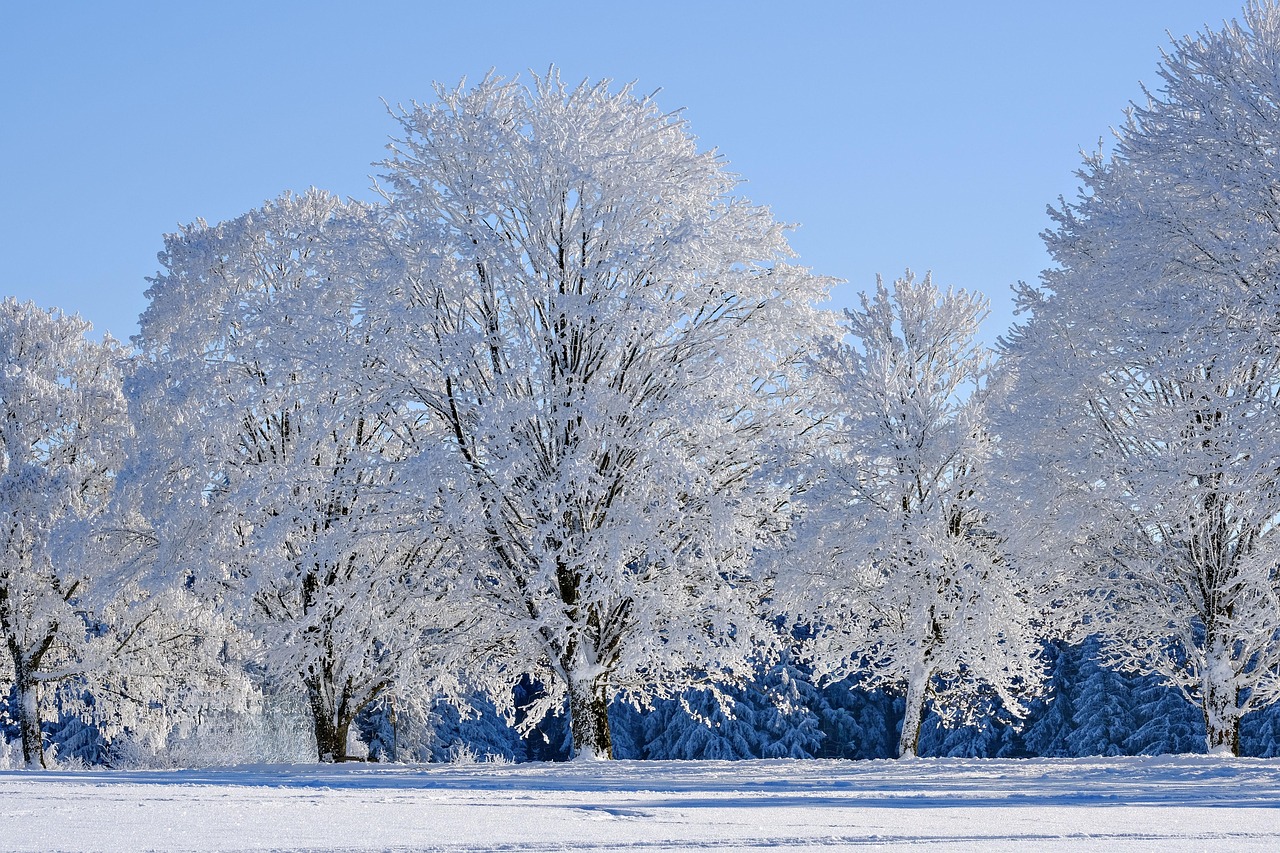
(928, 134)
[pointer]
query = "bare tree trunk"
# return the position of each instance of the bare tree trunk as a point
(27, 688)
(589, 718)
(917, 693)
(1221, 718)
(29, 727)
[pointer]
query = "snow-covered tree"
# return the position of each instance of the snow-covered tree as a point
(986, 734)
(606, 335)
(1102, 713)
(1164, 723)
(63, 423)
(786, 710)
(268, 455)
(1260, 733)
(1048, 721)
(858, 723)
(1143, 433)
(702, 725)
(895, 563)
(1091, 708)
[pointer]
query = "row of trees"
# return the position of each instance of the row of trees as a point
(558, 411)
(1087, 709)
(786, 711)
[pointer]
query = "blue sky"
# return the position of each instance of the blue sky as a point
(928, 134)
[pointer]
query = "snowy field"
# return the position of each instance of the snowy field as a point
(1162, 804)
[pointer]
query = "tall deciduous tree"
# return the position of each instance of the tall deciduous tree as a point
(606, 335)
(270, 461)
(1146, 417)
(63, 424)
(896, 564)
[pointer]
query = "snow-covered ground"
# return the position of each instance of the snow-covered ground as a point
(1158, 804)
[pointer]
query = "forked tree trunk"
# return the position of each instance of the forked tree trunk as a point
(27, 687)
(29, 728)
(330, 719)
(589, 718)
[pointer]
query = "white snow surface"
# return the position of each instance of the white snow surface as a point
(1165, 804)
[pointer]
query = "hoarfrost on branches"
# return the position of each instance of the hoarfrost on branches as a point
(1146, 412)
(895, 563)
(607, 337)
(271, 468)
(76, 614)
